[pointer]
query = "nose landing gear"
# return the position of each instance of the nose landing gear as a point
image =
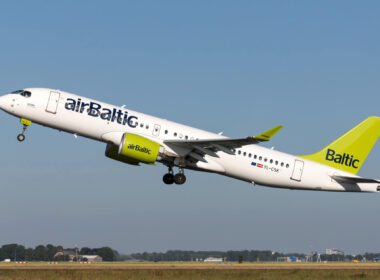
(21, 137)
(26, 123)
(178, 178)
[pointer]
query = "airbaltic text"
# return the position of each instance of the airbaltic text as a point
(345, 159)
(139, 148)
(95, 110)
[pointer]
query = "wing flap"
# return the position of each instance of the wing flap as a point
(225, 144)
(197, 149)
(209, 143)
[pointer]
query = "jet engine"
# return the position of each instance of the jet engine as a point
(134, 149)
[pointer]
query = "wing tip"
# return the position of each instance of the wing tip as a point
(267, 135)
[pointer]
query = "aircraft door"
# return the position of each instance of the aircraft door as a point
(156, 130)
(53, 102)
(297, 171)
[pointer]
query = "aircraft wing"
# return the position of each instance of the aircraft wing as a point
(355, 180)
(210, 146)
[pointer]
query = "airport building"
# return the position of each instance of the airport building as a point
(288, 259)
(91, 258)
(65, 253)
(71, 255)
(334, 251)
(211, 259)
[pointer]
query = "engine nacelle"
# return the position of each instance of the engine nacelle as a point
(140, 149)
(112, 151)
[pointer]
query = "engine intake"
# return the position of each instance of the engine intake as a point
(112, 152)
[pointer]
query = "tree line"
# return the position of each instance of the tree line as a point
(178, 255)
(16, 252)
(244, 255)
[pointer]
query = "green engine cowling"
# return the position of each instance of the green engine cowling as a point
(139, 148)
(134, 149)
(112, 151)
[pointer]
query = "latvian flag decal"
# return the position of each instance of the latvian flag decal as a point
(259, 165)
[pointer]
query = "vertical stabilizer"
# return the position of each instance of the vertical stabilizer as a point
(349, 151)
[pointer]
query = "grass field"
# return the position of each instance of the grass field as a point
(187, 271)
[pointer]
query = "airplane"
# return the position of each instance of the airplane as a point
(134, 138)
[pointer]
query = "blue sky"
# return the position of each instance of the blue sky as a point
(239, 67)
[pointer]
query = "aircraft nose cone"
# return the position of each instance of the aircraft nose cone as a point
(2, 102)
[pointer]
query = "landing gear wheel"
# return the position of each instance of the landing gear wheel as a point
(21, 137)
(168, 178)
(179, 179)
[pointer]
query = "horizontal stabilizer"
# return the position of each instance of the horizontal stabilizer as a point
(355, 180)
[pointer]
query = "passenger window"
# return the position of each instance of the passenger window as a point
(276, 162)
(244, 154)
(260, 158)
(282, 164)
(166, 131)
(271, 161)
(249, 155)
(255, 156)
(239, 152)
(147, 126)
(180, 135)
(137, 123)
(287, 165)
(265, 159)
(175, 134)
(141, 125)
(186, 137)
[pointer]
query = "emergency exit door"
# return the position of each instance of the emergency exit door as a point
(297, 171)
(53, 102)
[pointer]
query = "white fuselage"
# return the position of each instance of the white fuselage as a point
(107, 123)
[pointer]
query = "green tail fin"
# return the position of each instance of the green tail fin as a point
(349, 151)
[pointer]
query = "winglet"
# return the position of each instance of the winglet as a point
(267, 135)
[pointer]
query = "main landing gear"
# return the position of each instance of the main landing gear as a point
(179, 178)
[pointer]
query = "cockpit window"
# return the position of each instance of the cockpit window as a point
(17, 91)
(24, 93)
